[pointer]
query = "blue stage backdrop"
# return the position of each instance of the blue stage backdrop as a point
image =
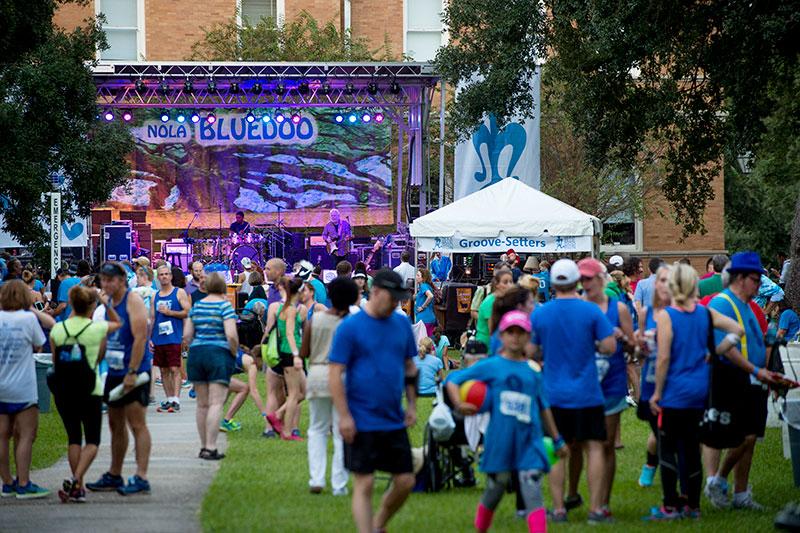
(306, 168)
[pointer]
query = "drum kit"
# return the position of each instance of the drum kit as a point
(264, 242)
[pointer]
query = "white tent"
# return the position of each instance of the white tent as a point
(508, 214)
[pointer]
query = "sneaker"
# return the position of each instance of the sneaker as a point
(9, 490)
(229, 425)
(31, 491)
(158, 381)
(275, 422)
(269, 434)
(135, 485)
(292, 437)
(717, 494)
(176, 407)
(186, 384)
(690, 514)
(165, 407)
(663, 514)
(315, 490)
(341, 492)
(66, 487)
(602, 516)
(745, 501)
(557, 517)
(647, 475)
(296, 433)
(192, 393)
(572, 502)
(631, 401)
(107, 482)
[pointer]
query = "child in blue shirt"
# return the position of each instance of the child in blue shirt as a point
(430, 368)
(513, 439)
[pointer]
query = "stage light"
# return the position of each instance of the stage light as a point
(378, 117)
(140, 86)
(188, 86)
(366, 117)
(163, 87)
(211, 118)
(280, 88)
(266, 118)
(108, 115)
(372, 88)
(303, 88)
(212, 85)
(349, 88)
(296, 118)
(256, 89)
(127, 116)
(279, 118)
(165, 116)
(181, 118)
(339, 118)
(326, 88)
(234, 87)
(195, 118)
(250, 117)
(395, 88)
(352, 118)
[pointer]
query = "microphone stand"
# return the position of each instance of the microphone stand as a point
(219, 236)
(185, 233)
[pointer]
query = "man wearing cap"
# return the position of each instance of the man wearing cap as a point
(63, 309)
(745, 279)
(568, 332)
(127, 358)
(616, 262)
(376, 349)
(305, 271)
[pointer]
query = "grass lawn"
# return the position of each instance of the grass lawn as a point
(51, 440)
(263, 485)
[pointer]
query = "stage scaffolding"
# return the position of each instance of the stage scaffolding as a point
(402, 91)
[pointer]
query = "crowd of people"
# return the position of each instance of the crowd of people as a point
(564, 347)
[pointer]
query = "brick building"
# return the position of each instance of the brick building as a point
(154, 30)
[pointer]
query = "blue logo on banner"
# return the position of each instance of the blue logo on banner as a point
(496, 140)
(72, 232)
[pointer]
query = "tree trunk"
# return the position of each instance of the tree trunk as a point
(793, 277)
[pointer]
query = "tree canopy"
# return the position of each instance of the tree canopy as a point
(50, 124)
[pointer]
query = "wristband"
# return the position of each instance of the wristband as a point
(733, 338)
(558, 443)
(412, 380)
(755, 371)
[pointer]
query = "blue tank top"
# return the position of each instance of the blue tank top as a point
(686, 386)
(615, 382)
(120, 344)
(648, 385)
(167, 329)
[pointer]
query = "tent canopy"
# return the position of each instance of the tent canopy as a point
(508, 214)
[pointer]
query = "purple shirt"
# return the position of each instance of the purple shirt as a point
(340, 234)
(273, 295)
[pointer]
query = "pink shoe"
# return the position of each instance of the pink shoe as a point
(275, 422)
(537, 521)
(483, 518)
(292, 437)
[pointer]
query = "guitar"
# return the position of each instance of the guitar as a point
(334, 244)
(380, 243)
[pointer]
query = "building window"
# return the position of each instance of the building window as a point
(424, 32)
(124, 28)
(252, 11)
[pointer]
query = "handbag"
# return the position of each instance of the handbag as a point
(721, 427)
(269, 351)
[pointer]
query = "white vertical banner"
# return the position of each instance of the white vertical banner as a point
(492, 154)
(55, 233)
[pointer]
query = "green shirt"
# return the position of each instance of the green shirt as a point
(91, 338)
(710, 285)
(482, 333)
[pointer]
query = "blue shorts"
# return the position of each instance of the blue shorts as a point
(7, 408)
(614, 405)
(209, 364)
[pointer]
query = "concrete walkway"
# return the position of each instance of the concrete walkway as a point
(177, 477)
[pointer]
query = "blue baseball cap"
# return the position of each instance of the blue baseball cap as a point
(746, 262)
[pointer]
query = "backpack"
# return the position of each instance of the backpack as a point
(72, 374)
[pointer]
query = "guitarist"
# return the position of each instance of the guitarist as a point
(337, 235)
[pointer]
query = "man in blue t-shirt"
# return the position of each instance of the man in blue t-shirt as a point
(788, 324)
(744, 281)
(568, 332)
(63, 309)
(375, 348)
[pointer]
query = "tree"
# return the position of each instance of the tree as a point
(48, 116)
(300, 39)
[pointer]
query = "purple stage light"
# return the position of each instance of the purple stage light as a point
(378, 117)
(296, 118)
(211, 118)
(127, 116)
(366, 117)
(108, 115)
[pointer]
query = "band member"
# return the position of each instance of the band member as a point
(337, 235)
(240, 227)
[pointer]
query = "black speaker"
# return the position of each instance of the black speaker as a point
(456, 299)
(296, 249)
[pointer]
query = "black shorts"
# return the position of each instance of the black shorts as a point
(82, 418)
(139, 394)
(284, 360)
(582, 424)
(387, 451)
(753, 414)
(643, 412)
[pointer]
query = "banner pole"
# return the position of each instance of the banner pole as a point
(441, 143)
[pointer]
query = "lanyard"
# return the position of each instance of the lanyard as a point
(739, 319)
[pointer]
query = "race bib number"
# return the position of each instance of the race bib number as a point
(115, 359)
(603, 365)
(517, 405)
(165, 328)
(650, 376)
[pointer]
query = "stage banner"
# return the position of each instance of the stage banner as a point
(492, 154)
(301, 168)
(73, 234)
(501, 243)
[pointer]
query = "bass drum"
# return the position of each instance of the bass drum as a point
(242, 251)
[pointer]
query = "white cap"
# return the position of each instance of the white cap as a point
(246, 263)
(564, 272)
(616, 260)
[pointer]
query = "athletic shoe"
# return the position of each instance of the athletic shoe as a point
(572, 502)
(275, 422)
(602, 516)
(107, 482)
(158, 381)
(647, 475)
(135, 485)
(690, 514)
(10, 490)
(557, 517)
(31, 491)
(165, 407)
(269, 434)
(746, 501)
(315, 490)
(186, 384)
(292, 437)
(176, 407)
(663, 514)
(341, 492)
(717, 494)
(192, 393)
(229, 425)
(296, 433)
(788, 518)
(630, 400)
(78, 495)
